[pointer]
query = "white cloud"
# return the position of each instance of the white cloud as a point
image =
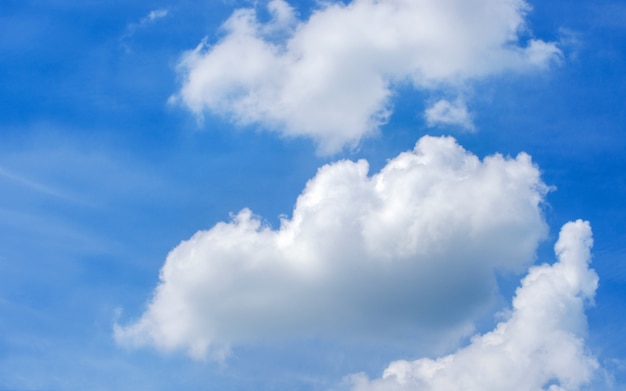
(540, 346)
(132, 28)
(331, 77)
(444, 112)
(154, 15)
(409, 249)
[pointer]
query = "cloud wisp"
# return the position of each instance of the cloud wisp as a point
(411, 248)
(331, 77)
(539, 347)
(132, 28)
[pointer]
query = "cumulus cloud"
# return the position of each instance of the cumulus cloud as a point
(444, 112)
(412, 247)
(539, 347)
(331, 77)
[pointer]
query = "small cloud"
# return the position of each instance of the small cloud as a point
(446, 113)
(154, 15)
(150, 18)
(571, 42)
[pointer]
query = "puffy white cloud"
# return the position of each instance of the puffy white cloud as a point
(331, 77)
(412, 247)
(444, 112)
(539, 347)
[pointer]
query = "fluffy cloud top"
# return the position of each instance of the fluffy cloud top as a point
(412, 247)
(540, 346)
(155, 15)
(331, 77)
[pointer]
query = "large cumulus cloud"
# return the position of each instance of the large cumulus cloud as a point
(412, 247)
(539, 347)
(331, 77)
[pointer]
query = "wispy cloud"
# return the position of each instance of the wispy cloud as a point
(150, 18)
(539, 347)
(31, 184)
(154, 15)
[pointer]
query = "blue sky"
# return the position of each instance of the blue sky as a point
(125, 129)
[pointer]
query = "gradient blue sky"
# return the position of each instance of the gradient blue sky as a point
(101, 177)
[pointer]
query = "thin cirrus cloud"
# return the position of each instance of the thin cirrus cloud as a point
(411, 248)
(132, 28)
(331, 77)
(539, 347)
